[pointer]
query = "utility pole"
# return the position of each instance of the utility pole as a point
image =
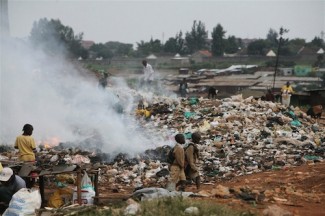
(282, 31)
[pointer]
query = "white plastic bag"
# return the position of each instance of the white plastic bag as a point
(24, 202)
(87, 191)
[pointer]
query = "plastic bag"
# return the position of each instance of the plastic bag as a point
(24, 202)
(87, 191)
(86, 182)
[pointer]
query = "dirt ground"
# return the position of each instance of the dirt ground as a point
(300, 190)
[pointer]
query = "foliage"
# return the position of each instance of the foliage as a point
(175, 45)
(119, 49)
(145, 48)
(272, 37)
(54, 37)
(196, 39)
(101, 50)
(232, 44)
(258, 47)
(317, 42)
(218, 43)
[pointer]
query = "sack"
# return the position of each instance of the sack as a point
(87, 191)
(24, 202)
(170, 156)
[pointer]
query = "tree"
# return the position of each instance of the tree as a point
(272, 37)
(54, 37)
(317, 42)
(119, 49)
(231, 45)
(258, 47)
(175, 45)
(218, 44)
(145, 48)
(101, 50)
(196, 39)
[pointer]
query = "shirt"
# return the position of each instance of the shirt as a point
(179, 156)
(286, 89)
(148, 72)
(18, 184)
(25, 145)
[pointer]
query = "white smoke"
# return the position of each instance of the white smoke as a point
(63, 101)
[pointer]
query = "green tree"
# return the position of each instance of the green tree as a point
(101, 50)
(258, 47)
(153, 46)
(218, 43)
(231, 45)
(175, 45)
(119, 49)
(53, 37)
(196, 39)
(317, 42)
(272, 37)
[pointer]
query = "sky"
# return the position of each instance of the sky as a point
(133, 21)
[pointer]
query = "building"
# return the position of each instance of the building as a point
(201, 56)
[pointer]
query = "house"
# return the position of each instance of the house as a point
(270, 54)
(201, 56)
(179, 60)
(286, 71)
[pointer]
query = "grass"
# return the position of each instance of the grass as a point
(169, 206)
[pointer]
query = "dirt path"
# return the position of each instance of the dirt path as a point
(300, 190)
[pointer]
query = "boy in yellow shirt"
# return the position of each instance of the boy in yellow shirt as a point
(25, 143)
(286, 94)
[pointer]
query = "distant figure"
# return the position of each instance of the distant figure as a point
(25, 143)
(286, 92)
(269, 96)
(103, 81)
(148, 72)
(315, 111)
(183, 88)
(9, 185)
(212, 93)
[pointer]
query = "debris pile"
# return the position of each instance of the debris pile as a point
(240, 137)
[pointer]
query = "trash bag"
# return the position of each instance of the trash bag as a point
(24, 202)
(295, 123)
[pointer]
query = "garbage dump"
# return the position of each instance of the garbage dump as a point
(239, 137)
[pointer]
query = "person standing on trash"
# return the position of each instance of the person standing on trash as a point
(102, 83)
(269, 96)
(25, 143)
(183, 88)
(177, 175)
(286, 92)
(148, 72)
(191, 157)
(9, 185)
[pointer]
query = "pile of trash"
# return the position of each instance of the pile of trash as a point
(239, 137)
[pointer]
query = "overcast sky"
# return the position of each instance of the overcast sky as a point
(133, 21)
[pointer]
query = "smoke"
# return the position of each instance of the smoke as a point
(63, 103)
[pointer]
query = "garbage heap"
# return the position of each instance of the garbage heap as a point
(239, 137)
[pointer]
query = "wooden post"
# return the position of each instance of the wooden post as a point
(79, 186)
(96, 187)
(41, 188)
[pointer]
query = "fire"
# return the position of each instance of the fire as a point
(50, 142)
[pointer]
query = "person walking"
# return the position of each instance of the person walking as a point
(148, 72)
(177, 175)
(286, 92)
(183, 88)
(191, 157)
